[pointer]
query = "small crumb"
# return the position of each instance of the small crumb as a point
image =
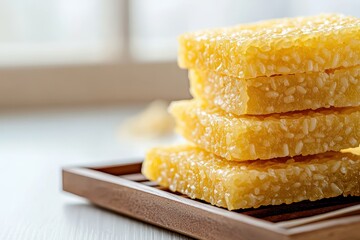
(154, 121)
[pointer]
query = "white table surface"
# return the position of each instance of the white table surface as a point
(34, 145)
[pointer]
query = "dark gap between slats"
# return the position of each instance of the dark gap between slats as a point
(301, 209)
(309, 213)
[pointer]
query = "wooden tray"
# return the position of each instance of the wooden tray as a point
(123, 189)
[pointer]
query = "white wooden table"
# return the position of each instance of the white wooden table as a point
(33, 148)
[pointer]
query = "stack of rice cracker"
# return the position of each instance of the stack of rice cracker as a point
(274, 103)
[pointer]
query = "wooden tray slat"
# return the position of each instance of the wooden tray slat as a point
(122, 188)
(136, 177)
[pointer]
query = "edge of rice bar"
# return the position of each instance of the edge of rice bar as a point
(234, 185)
(242, 138)
(278, 46)
(277, 94)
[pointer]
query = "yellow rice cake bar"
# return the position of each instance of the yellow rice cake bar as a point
(246, 137)
(281, 93)
(192, 171)
(279, 46)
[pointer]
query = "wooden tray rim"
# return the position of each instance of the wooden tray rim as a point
(94, 172)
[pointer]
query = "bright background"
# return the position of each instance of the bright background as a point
(71, 73)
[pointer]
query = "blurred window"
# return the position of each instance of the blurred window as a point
(66, 31)
(58, 31)
(154, 25)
